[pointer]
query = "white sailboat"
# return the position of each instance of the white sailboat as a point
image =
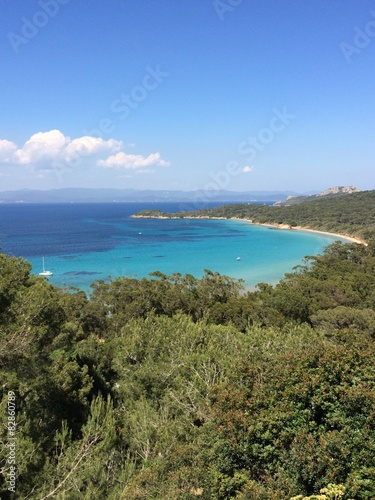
(44, 272)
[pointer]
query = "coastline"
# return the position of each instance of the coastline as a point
(351, 239)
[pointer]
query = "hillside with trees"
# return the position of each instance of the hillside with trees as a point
(179, 388)
(352, 214)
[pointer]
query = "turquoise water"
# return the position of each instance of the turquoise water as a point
(86, 242)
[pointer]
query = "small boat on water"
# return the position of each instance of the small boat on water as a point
(238, 258)
(44, 272)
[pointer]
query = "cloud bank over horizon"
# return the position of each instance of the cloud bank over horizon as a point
(47, 151)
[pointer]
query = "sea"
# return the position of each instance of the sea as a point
(85, 242)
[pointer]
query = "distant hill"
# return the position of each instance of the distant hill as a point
(328, 193)
(81, 195)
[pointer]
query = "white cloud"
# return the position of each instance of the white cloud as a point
(44, 149)
(7, 150)
(54, 152)
(89, 146)
(41, 147)
(133, 162)
(247, 169)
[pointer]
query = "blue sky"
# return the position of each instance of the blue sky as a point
(188, 94)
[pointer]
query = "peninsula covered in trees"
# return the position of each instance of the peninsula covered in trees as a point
(351, 214)
(179, 388)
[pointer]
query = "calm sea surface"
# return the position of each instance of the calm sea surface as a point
(84, 242)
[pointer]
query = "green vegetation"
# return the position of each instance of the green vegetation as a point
(352, 214)
(177, 388)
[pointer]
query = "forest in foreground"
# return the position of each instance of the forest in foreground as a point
(179, 388)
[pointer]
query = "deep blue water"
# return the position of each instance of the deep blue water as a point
(83, 242)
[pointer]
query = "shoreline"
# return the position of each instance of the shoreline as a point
(351, 239)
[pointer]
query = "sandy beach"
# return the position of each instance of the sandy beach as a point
(351, 239)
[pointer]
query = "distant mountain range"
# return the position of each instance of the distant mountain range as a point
(81, 195)
(87, 195)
